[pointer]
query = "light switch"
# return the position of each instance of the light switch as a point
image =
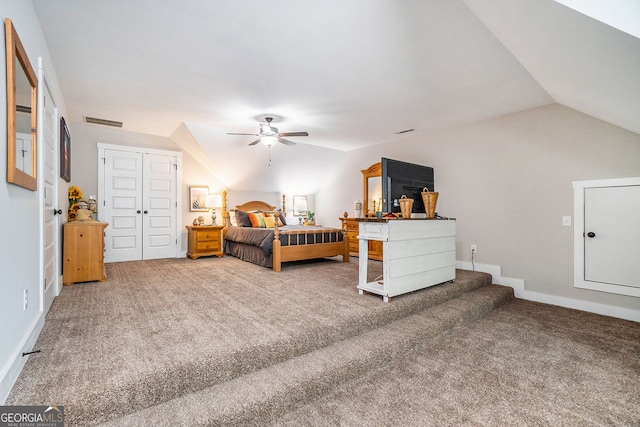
(566, 221)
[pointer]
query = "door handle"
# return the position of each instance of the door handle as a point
(146, 212)
(57, 211)
(138, 211)
(591, 234)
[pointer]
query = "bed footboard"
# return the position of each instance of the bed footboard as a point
(309, 248)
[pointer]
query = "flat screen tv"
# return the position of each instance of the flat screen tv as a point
(402, 178)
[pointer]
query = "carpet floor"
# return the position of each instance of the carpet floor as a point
(162, 333)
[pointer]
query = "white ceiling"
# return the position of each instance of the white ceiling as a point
(351, 73)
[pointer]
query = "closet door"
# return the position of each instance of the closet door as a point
(123, 205)
(159, 206)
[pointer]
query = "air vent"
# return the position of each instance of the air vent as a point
(104, 122)
(404, 131)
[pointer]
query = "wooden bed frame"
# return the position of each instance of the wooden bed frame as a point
(300, 251)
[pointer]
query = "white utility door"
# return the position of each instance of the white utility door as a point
(612, 235)
(159, 206)
(140, 205)
(123, 205)
(607, 237)
(51, 212)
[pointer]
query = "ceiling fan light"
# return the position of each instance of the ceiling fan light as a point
(268, 140)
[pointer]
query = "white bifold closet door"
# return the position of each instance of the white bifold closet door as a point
(140, 205)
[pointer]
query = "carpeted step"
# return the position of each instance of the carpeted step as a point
(262, 396)
(149, 335)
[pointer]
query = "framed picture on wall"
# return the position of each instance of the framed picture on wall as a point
(197, 198)
(65, 151)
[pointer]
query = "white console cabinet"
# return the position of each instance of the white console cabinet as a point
(416, 253)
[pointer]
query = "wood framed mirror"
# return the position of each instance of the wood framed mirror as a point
(372, 186)
(22, 108)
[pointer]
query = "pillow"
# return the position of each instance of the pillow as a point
(281, 220)
(257, 220)
(242, 218)
(232, 218)
(270, 222)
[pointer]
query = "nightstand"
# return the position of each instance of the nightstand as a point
(205, 240)
(83, 251)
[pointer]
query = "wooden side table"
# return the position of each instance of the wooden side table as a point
(205, 240)
(83, 252)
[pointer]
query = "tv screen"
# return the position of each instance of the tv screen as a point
(402, 178)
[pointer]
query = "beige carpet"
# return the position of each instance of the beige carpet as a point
(523, 364)
(161, 334)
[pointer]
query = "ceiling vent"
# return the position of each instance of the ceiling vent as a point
(104, 122)
(404, 131)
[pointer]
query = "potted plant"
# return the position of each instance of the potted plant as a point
(311, 218)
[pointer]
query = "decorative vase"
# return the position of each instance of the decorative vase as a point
(357, 209)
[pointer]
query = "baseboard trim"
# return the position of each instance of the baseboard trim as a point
(522, 293)
(9, 376)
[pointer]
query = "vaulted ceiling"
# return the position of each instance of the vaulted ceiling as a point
(351, 73)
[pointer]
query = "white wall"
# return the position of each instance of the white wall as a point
(508, 181)
(20, 226)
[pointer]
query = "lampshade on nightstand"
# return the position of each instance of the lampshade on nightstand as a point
(212, 202)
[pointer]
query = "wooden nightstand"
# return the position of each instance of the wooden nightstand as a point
(83, 252)
(205, 240)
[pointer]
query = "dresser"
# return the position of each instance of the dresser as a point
(83, 251)
(205, 240)
(418, 253)
(374, 247)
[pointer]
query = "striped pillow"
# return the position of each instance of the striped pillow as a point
(257, 220)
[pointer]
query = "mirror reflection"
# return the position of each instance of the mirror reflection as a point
(372, 185)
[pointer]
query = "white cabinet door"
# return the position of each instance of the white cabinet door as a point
(159, 204)
(607, 232)
(612, 235)
(123, 205)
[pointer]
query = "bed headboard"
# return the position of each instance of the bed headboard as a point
(255, 205)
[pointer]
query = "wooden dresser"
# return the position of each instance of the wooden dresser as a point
(205, 240)
(350, 226)
(83, 251)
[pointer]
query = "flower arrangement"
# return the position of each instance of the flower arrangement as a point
(75, 196)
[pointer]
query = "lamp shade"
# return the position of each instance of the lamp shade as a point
(213, 201)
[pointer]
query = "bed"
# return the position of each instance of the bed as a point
(272, 246)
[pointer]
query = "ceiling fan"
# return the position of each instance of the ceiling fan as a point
(269, 135)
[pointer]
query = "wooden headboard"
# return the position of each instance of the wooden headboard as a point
(255, 205)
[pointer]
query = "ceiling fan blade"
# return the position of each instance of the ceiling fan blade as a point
(234, 133)
(255, 142)
(286, 142)
(294, 134)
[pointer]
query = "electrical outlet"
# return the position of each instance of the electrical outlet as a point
(474, 249)
(25, 299)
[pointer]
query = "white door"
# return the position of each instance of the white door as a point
(123, 205)
(607, 232)
(51, 209)
(612, 235)
(140, 205)
(159, 206)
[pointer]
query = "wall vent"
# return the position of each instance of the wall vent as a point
(404, 131)
(105, 122)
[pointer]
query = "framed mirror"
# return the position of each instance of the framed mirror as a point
(372, 185)
(22, 108)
